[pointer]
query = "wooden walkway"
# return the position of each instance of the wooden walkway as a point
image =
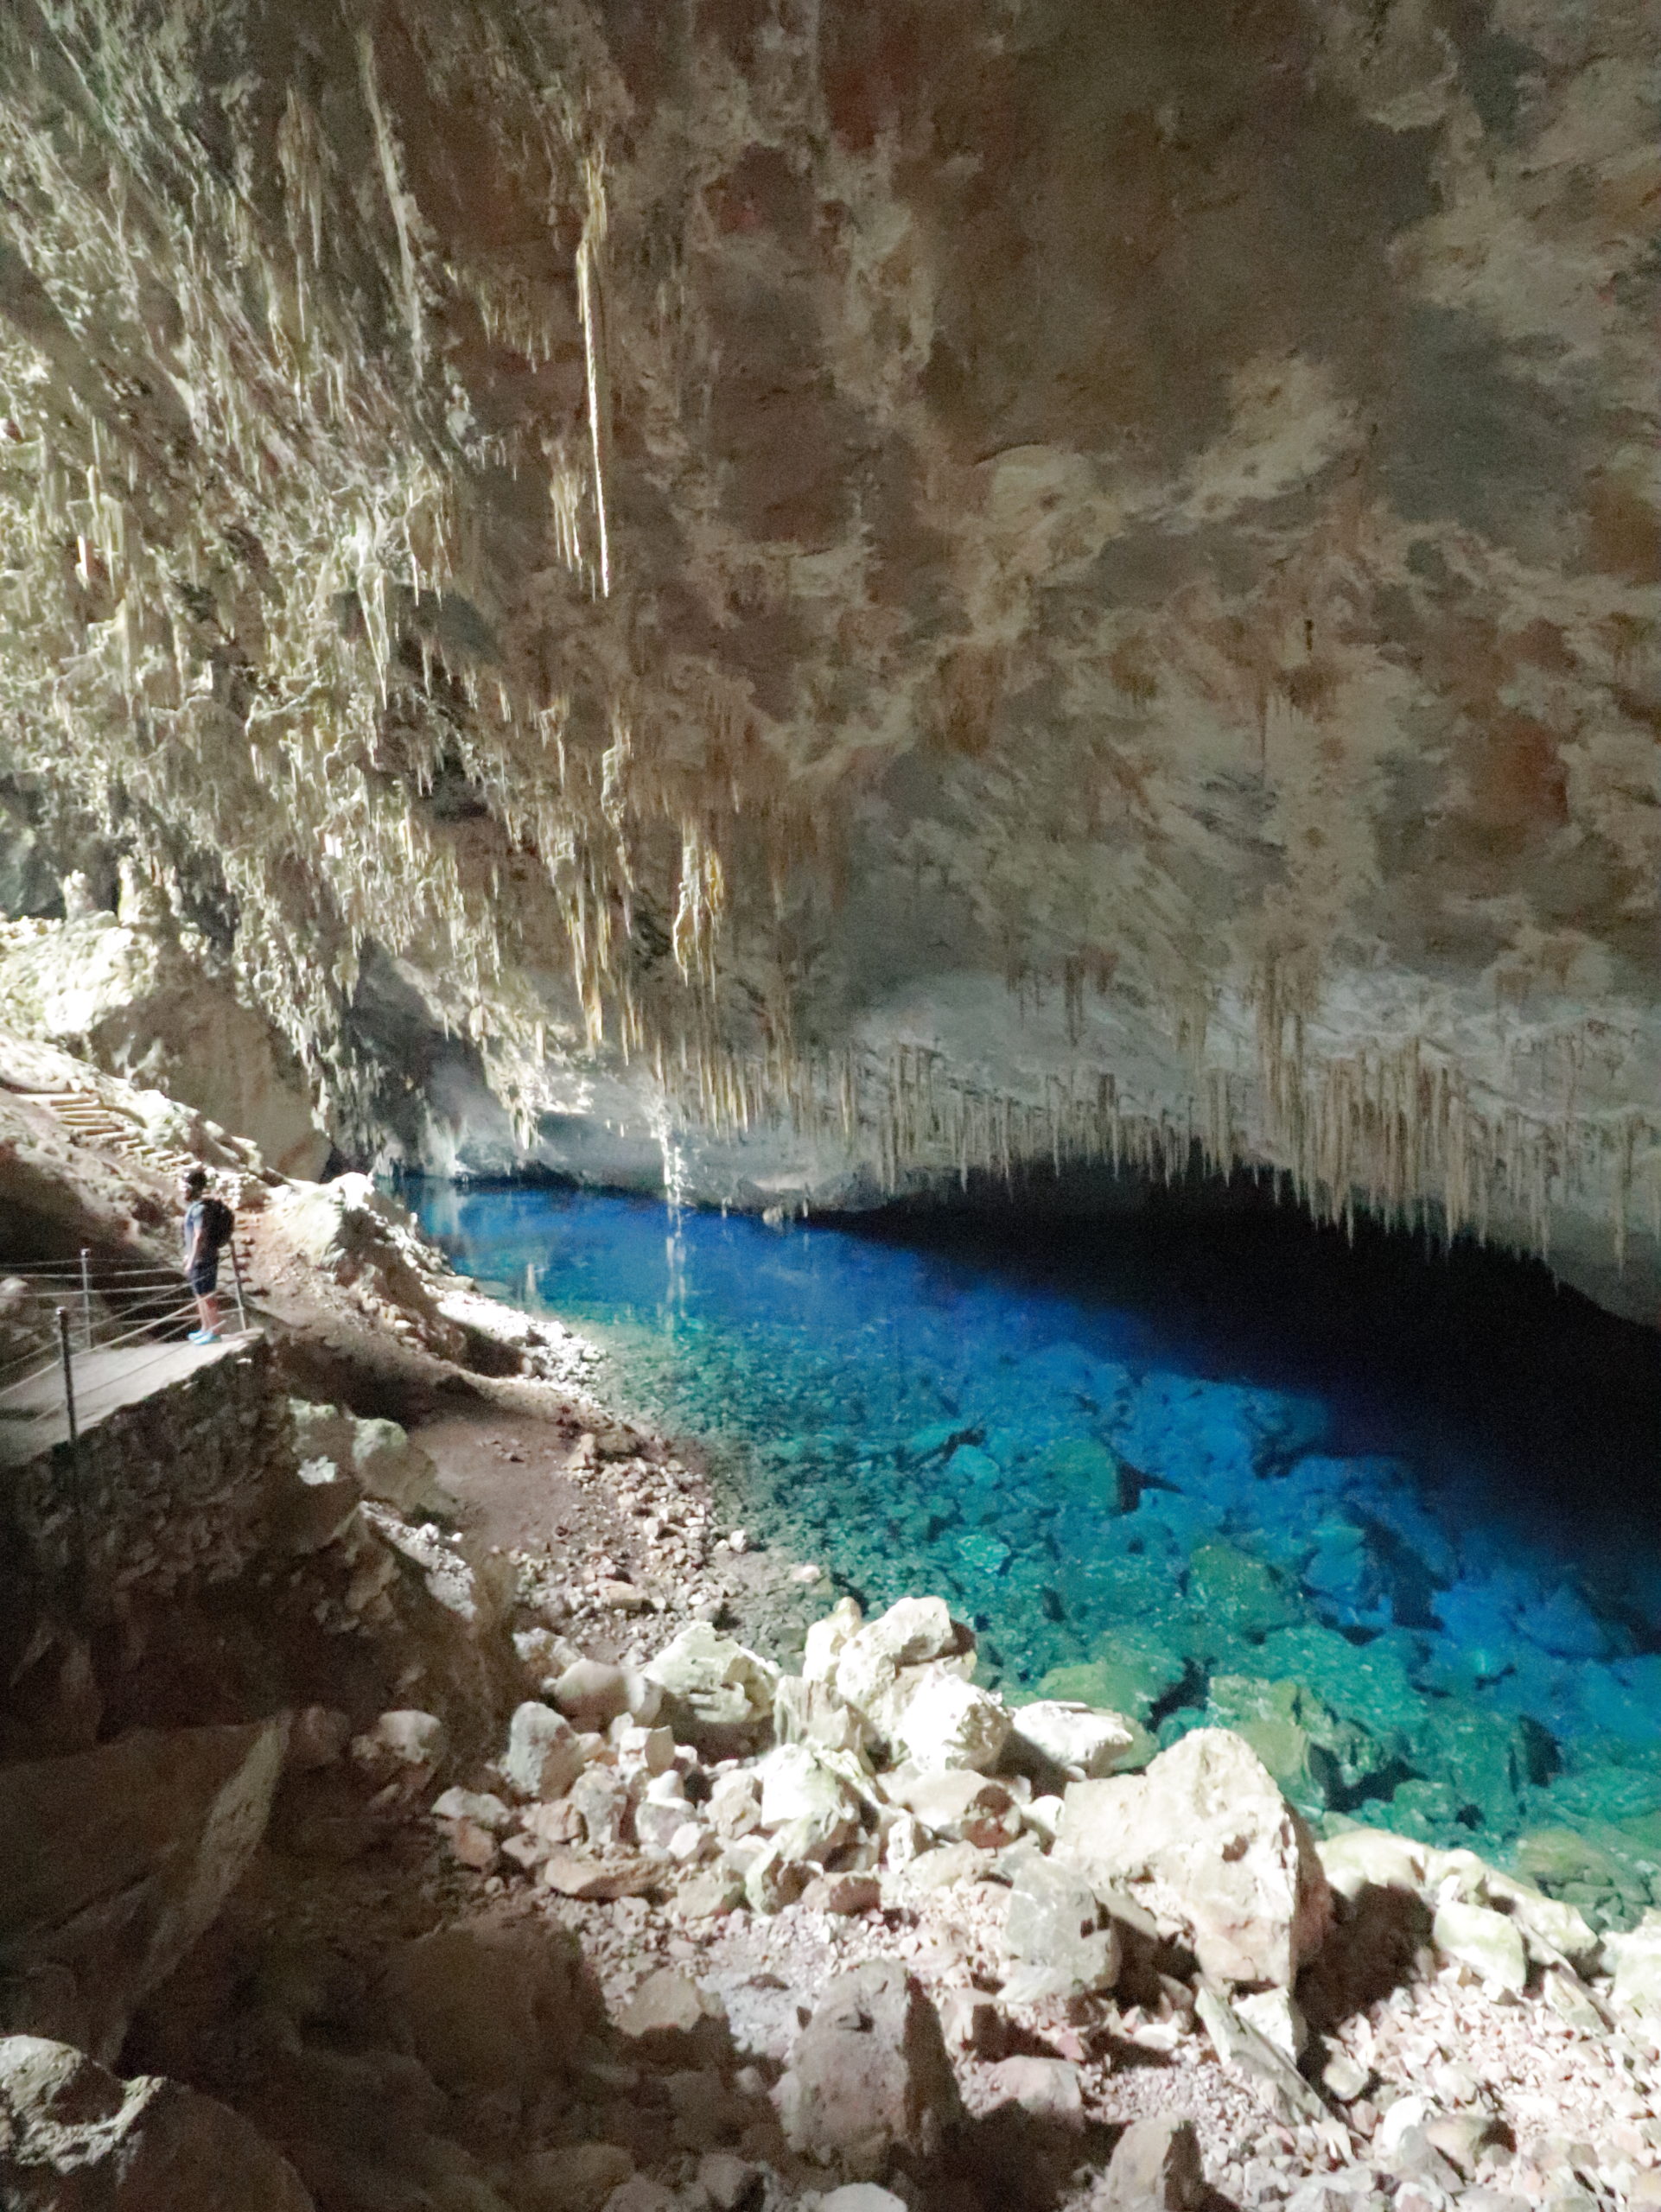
(32, 1417)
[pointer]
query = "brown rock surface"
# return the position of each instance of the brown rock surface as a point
(114, 1861)
(74, 2139)
(489, 2007)
(868, 2079)
(1155, 500)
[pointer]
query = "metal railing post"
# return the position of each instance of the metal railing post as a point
(67, 1360)
(77, 1502)
(87, 1297)
(236, 1277)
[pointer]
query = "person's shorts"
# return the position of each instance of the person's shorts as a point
(204, 1277)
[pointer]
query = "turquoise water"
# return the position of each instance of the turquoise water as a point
(1197, 1473)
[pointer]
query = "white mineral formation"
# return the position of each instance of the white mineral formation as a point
(1205, 1841)
(994, 662)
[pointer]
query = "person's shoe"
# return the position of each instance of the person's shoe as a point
(203, 1336)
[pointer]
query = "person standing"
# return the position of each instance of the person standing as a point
(208, 1224)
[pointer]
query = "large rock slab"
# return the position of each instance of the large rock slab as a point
(870, 2080)
(1207, 1844)
(489, 2008)
(114, 1861)
(1053, 1924)
(73, 2139)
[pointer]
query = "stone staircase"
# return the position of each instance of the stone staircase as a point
(91, 1119)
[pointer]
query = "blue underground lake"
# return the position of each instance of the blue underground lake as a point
(1392, 1515)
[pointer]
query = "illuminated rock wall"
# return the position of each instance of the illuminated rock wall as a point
(942, 585)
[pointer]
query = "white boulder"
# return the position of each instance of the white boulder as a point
(1373, 1859)
(1206, 1842)
(711, 1685)
(388, 1466)
(1086, 1743)
(1634, 1960)
(910, 1634)
(1275, 2016)
(544, 1757)
(934, 1717)
(829, 1639)
(592, 1693)
(1483, 1940)
(957, 1802)
(805, 1799)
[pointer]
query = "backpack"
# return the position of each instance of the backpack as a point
(218, 1221)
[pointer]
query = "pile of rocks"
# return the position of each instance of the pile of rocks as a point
(705, 1936)
(916, 1912)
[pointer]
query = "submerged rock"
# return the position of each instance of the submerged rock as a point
(1133, 1668)
(1367, 1683)
(1237, 1593)
(1083, 1463)
(1308, 1750)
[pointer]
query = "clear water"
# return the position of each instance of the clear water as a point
(1398, 1526)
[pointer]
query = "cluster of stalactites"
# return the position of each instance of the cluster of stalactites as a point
(238, 491)
(1398, 1134)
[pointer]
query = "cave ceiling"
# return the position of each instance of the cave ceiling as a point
(954, 583)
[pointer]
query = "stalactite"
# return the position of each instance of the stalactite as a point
(594, 356)
(283, 459)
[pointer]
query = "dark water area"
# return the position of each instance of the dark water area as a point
(1393, 1514)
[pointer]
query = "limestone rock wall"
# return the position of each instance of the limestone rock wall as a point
(130, 998)
(891, 593)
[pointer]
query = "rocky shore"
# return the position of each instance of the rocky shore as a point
(518, 1837)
